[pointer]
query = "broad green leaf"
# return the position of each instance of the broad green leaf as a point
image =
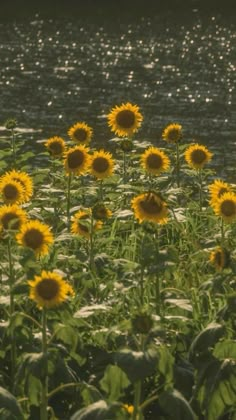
(165, 362)
(96, 411)
(137, 365)
(33, 388)
(225, 350)
(9, 402)
(207, 338)
(175, 406)
(114, 382)
(223, 395)
(90, 394)
(66, 333)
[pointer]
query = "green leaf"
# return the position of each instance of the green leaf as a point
(137, 365)
(223, 395)
(217, 391)
(114, 382)
(9, 402)
(225, 350)
(66, 333)
(165, 362)
(175, 406)
(99, 411)
(207, 338)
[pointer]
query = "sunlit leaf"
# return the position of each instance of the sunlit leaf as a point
(114, 382)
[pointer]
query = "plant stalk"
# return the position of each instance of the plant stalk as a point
(44, 396)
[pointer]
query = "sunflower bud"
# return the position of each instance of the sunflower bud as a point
(142, 323)
(126, 145)
(10, 124)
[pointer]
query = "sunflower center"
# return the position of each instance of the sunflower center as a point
(75, 159)
(10, 221)
(154, 161)
(100, 164)
(125, 118)
(33, 238)
(228, 208)
(198, 156)
(47, 289)
(56, 148)
(151, 206)
(80, 134)
(11, 192)
(173, 134)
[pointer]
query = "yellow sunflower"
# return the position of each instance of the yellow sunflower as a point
(101, 164)
(49, 289)
(125, 120)
(217, 188)
(197, 156)
(11, 191)
(12, 217)
(150, 207)
(101, 212)
(220, 258)
(172, 133)
(81, 223)
(56, 146)
(129, 408)
(77, 160)
(25, 180)
(80, 133)
(154, 161)
(225, 207)
(36, 236)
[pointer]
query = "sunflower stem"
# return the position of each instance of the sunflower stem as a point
(222, 230)
(137, 397)
(68, 201)
(142, 285)
(11, 283)
(91, 247)
(101, 189)
(13, 146)
(124, 167)
(200, 188)
(177, 165)
(44, 396)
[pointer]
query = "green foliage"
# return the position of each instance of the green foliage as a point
(175, 407)
(8, 402)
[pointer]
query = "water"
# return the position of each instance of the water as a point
(57, 72)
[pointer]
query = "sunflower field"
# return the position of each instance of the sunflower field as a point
(118, 286)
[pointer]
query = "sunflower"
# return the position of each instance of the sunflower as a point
(81, 223)
(101, 164)
(101, 212)
(125, 119)
(217, 188)
(49, 289)
(172, 133)
(197, 156)
(12, 217)
(11, 191)
(220, 258)
(77, 160)
(25, 180)
(129, 408)
(80, 133)
(150, 207)
(154, 161)
(36, 236)
(225, 207)
(56, 146)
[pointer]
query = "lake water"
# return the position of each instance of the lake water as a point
(54, 73)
